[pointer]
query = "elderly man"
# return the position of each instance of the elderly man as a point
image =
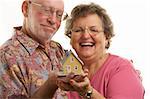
(28, 59)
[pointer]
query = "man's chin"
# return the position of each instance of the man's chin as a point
(50, 37)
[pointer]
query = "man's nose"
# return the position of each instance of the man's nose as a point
(52, 19)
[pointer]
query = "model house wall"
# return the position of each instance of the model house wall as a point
(71, 64)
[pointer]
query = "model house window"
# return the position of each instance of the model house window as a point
(75, 68)
(71, 59)
(68, 68)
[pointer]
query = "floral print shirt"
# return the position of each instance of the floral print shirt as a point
(25, 65)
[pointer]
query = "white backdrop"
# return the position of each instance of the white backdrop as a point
(131, 20)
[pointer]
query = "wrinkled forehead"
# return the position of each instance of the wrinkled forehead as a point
(58, 4)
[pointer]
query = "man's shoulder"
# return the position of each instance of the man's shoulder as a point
(5, 46)
(9, 47)
(4, 49)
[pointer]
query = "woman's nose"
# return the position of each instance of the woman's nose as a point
(86, 33)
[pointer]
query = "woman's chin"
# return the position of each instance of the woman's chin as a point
(85, 54)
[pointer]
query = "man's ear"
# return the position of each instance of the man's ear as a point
(70, 42)
(25, 8)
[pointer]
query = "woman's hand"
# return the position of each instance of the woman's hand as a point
(72, 82)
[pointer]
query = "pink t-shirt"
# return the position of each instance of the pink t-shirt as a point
(116, 79)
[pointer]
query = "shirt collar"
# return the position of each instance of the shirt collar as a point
(25, 40)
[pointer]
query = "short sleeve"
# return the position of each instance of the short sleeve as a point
(125, 84)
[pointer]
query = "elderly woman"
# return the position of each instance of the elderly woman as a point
(106, 76)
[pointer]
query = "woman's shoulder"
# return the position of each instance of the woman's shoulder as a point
(117, 63)
(119, 59)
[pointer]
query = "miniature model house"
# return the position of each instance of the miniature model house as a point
(71, 64)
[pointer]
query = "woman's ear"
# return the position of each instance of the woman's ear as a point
(106, 42)
(25, 8)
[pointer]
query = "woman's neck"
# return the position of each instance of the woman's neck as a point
(95, 65)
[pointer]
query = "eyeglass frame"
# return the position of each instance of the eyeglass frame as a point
(63, 16)
(88, 29)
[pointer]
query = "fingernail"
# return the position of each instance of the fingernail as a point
(71, 82)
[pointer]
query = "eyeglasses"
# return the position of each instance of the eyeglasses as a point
(91, 30)
(49, 11)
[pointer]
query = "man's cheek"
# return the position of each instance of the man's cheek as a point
(58, 24)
